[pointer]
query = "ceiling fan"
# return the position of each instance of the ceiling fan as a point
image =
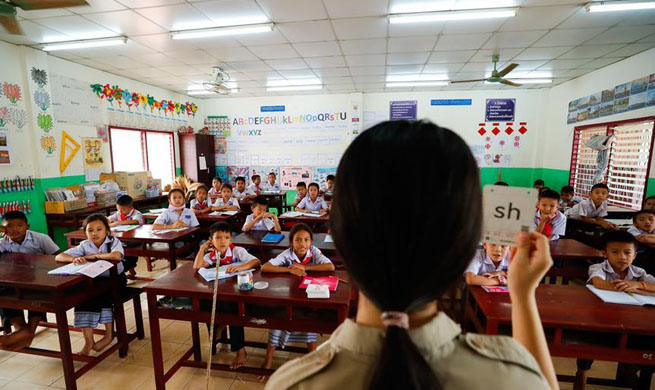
(496, 75)
(8, 10)
(218, 85)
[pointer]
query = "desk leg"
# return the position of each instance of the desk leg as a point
(172, 262)
(492, 327)
(195, 337)
(119, 312)
(155, 340)
(65, 345)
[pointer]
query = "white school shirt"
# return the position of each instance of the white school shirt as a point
(299, 198)
(267, 186)
(254, 189)
(575, 199)
(263, 224)
(169, 217)
(558, 224)
(134, 215)
(586, 208)
(34, 242)
(605, 271)
(231, 202)
(307, 204)
(635, 231)
(235, 254)
(482, 264)
(196, 205)
(214, 191)
(289, 257)
(87, 247)
(326, 191)
(246, 192)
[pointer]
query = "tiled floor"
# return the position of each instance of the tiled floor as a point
(134, 372)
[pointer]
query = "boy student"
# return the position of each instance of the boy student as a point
(226, 202)
(548, 220)
(254, 187)
(270, 185)
(329, 185)
(301, 187)
(312, 203)
(538, 184)
(593, 210)
(644, 226)
(125, 213)
(501, 183)
(19, 239)
(568, 200)
(260, 219)
(217, 183)
(241, 192)
(488, 266)
(649, 204)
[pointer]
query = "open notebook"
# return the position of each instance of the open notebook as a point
(164, 231)
(621, 297)
(209, 274)
(230, 213)
(89, 269)
(293, 214)
(123, 228)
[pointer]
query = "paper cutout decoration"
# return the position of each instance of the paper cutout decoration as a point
(11, 92)
(63, 160)
(44, 121)
(482, 131)
(42, 100)
(39, 76)
(135, 99)
(4, 116)
(48, 144)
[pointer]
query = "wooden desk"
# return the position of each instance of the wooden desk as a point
(318, 224)
(281, 306)
(572, 259)
(144, 235)
(253, 240)
(73, 219)
(205, 220)
(577, 324)
(275, 200)
(26, 285)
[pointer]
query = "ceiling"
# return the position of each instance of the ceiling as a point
(348, 44)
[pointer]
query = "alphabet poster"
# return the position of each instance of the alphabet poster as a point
(290, 176)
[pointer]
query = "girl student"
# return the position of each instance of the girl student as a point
(201, 204)
(302, 257)
(99, 245)
(399, 338)
(176, 216)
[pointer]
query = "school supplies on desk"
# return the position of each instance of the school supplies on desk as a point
(91, 270)
(332, 282)
(622, 298)
(157, 211)
(328, 238)
(230, 213)
(273, 238)
(164, 231)
(123, 228)
(209, 274)
(294, 214)
(496, 289)
(320, 291)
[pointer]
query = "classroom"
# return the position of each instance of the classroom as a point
(200, 194)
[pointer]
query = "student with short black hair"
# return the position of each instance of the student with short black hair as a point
(270, 185)
(649, 203)
(301, 189)
(538, 184)
(125, 213)
(226, 202)
(176, 216)
(501, 183)
(312, 203)
(568, 199)
(261, 219)
(548, 220)
(643, 226)
(201, 203)
(254, 187)
(329, 185)
(216, 186)
(241, 192)
(593, 210)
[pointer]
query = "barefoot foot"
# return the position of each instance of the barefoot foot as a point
(86, 351)
(268, 366)
(239, 359)
(103, 343)
(17, 340)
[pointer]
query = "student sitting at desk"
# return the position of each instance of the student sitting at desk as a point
(649, 203)
(567, 199)
(329, 185)
(226, 202)
(217, 183)
(254, 187)
(489, 266)
(548, 220)
(125, 213)
(99, 245)
(260, 219)
(644, 226)
(301, 187)
(312, 203)
(270, 185)
(176, 216)
(219, 251)
(290, 261)
(200, 204)
(19, 239)
(241, 192)
(593, 210)
(538, 184)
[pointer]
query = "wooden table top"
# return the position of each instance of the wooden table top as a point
(22, 270)
(91, 210)
(143, 233)
(324, 218)
(569, 249)
(573, 307)
(253, 239)
(283, 288)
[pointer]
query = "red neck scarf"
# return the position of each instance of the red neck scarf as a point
(548, 227)
(125, 217)
(213, 255)
(201, 206)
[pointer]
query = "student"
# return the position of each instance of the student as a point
(644, 226)
(301, 187)
(177, 216)
(99, 245)
(302, 257)
(548, 220)
(538, 184)
(593, 210)
(501, 183)
(617, 272)
(219, 249)
(226, 202)
(19, 239)
(241, 192)
(312, 203)
(329, 185)
(489, 266)
(649, 203)
(568, 200)
(270, 185)
(201, 204)
(217, 183)
(125, 213)
(260, 219)
(254, 187)
(399, 338)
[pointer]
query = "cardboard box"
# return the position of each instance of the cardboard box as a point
(136, 184)
(121, 179)
(63, 207)
(107, 176)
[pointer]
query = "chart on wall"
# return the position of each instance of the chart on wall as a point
(290, 176)
(73, 102)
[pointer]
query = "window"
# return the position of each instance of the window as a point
(629, 160)
(135, 150)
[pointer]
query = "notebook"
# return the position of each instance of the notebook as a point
(331, 281)
(209, 274)
(496, 289)
(157, 211)
(230, 213)
(622, 298)
(164, 231)
(123, 228)
(273, 238)
(89, 269)
(293, 214)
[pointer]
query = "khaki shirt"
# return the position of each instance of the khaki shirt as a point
(469, 361)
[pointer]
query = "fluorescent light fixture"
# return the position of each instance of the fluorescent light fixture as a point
(432, 6)
(70, 45)
(418, 84)
(294, 88)
(452, 15)
(293, 82)
(416, 77)
(619, 6)
(222, 31)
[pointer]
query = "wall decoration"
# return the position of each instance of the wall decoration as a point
(263, 171)
(11, 92)
(42, 99)
(102, 133)
(4, 116)
(74, 103)
(133, 99)
(234, 172)
(67, 142)
(94, 163)
(218, 125)
(290, 176)
(48, 144)
(44, 121)
(402, 109)
(319, 175)
(500, 110)
(221, 172)
(633, 95)
(18, 116)
(220, 145)
(39, 76)
(5, 148)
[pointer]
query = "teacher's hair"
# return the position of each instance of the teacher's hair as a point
(403, 261)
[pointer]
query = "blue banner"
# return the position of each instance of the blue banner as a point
(272, 108)
(451, 102)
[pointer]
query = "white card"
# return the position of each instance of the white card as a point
(507, 211)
